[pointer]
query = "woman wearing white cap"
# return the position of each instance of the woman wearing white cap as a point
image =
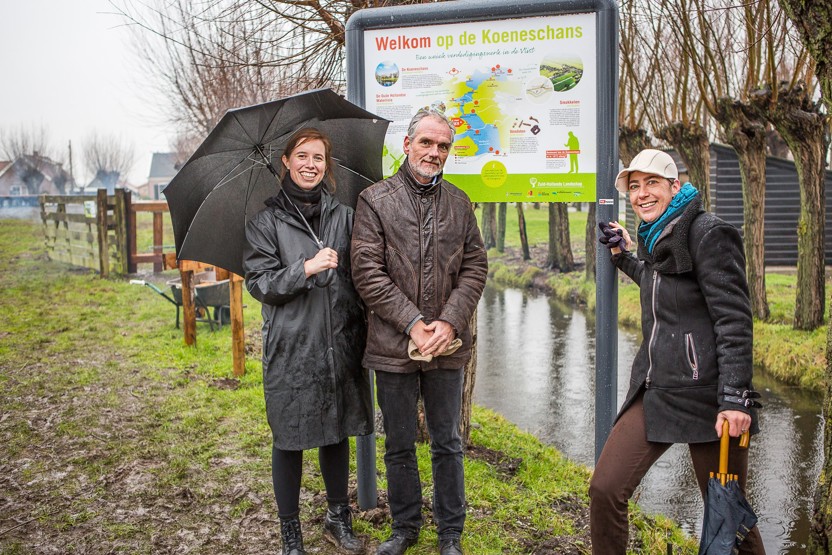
(694, 367)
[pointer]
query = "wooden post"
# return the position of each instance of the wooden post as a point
(121, 213)
(132, 243)
(188, 305)
(157, 240)
(238, 332)
(101, 225)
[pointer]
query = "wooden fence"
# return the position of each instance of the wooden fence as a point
(86, 230)
(99, 232)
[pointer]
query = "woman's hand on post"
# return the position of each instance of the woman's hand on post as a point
(326, 259)
(628, 242)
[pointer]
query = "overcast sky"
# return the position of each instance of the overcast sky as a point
(68, 66)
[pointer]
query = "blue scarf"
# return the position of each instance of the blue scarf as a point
(649, 233)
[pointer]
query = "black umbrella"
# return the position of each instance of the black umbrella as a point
(728, 515)
(231, 174)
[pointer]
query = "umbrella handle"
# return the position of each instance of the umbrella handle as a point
(328, 278)
(745, 439)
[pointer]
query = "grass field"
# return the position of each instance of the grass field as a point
(117, 438)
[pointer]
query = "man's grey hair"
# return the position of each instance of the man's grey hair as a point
(426, 112)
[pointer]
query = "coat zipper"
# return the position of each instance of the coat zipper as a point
(693, 360)
(330, 349)
(656, 281)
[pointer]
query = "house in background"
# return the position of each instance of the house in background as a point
(163, 166)
(33, 174)
(104, 180)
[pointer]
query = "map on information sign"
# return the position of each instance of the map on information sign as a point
(520, 93)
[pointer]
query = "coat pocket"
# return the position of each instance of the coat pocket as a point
(690, 352)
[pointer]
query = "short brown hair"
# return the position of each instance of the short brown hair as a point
(311, 134)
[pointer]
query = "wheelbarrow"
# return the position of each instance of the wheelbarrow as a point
(207, 296)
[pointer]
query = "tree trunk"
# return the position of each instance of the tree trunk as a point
(468, 385)
(691, 142)
(813, 21)
(630, 143)
(820, 530)
(560, 246)
(803, 127)
(501, 227)
(744, 130)
(489, 224)
(524, 240)
(591, 242)
(777, 147)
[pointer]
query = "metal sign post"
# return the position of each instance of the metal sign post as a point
(531, 88)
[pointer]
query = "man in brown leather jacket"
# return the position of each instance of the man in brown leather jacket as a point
(419, 264)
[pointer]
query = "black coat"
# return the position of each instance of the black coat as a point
(696, 325)
(313, 337)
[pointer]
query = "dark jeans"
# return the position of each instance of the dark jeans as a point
(626, 458)
(441, 391)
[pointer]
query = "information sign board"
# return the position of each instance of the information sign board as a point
(521, 94)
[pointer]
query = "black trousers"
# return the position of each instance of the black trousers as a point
(441, 392)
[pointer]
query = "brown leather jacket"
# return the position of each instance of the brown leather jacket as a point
(416, 250)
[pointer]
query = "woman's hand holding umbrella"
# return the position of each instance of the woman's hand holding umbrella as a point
(739, 422)
(326, 259)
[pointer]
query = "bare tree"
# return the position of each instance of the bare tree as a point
(22, 140)
(560, 246)
(107, 157)
(731, 58)
(813, 22)
(637, 63)
(206, 56)
(489, 224)
(501, 226)
(521, 225)
(788, 102)
(805, 129)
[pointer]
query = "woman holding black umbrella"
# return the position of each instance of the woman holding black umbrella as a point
(297, 264)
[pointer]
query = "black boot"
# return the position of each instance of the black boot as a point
(292, 538)
(338, 530)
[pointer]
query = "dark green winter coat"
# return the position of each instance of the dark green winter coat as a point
(696, 326)
(313, 337)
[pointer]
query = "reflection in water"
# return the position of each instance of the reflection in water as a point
(536, 366)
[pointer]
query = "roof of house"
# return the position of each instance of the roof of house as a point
(164, 165)
(4, 165)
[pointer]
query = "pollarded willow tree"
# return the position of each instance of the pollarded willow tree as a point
(107, 157)
(813, 22)
(731, 51)
(788, 100)
(674, 107)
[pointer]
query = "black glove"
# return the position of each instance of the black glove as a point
(611, 238)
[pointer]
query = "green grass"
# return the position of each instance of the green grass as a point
(126, 443)
(537, 225)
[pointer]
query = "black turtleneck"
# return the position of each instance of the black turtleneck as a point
(307, 201)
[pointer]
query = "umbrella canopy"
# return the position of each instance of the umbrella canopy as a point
(728, 515)
(231, 174)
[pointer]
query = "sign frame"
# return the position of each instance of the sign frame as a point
(606, 145)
